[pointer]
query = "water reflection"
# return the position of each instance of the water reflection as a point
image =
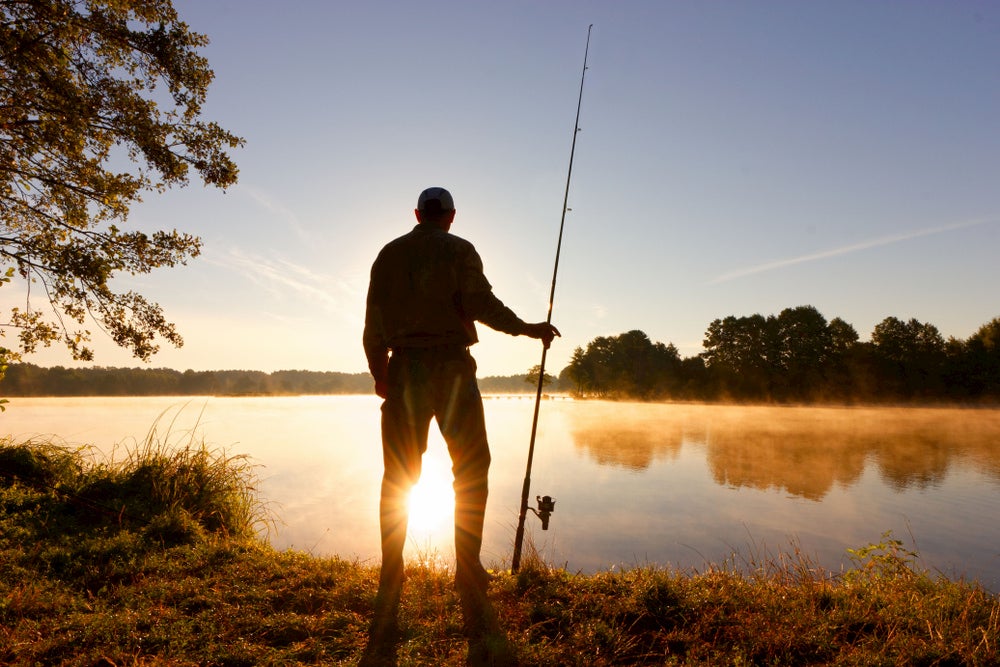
(633, 441)
(803, 452)
(687, 485)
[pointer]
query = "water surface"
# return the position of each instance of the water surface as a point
(635, 484)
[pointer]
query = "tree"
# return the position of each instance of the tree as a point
(911, 356)
(805, 341)
(982, 359)
(531, 377)
(100, 102)
(843, 336)
(845, 374)
(628, 365)
(741, 353)
(796, 355)
(586, 368)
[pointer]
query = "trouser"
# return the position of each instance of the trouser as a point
(425, 383)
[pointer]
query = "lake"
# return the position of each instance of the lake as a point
(634, 484)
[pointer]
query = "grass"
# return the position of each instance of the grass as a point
(153, 559)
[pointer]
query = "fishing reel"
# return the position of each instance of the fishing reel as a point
(546, 506)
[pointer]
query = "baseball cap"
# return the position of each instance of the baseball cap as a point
(441, 198)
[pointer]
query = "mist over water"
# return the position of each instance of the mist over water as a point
(635, 484)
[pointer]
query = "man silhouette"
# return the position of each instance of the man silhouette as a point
(427, 290)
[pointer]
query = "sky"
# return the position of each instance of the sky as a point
(734, 158)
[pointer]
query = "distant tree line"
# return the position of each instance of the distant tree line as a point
(518, 384)
(30, 380)
(796, 356)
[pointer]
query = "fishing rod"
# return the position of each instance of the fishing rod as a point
(546, 505)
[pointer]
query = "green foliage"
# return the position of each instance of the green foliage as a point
(100, 102)
(40, 463)
(886, 559)
(174, 491)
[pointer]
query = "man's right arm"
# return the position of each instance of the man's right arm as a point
(374, 340)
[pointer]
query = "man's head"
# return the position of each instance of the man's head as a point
(435, 207)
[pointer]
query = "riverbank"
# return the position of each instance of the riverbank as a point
(153, 560)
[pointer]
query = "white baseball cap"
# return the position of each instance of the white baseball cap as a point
(439, 195)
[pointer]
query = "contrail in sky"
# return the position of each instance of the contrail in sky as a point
(275, 207)
(864, 245)
(286, 278)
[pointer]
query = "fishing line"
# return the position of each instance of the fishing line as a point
(546, 504)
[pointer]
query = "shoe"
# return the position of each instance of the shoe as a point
(383, 633)
(491, 650)
(383, 642)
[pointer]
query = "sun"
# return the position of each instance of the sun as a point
(431, 503)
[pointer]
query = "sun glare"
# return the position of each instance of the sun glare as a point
(431, 502)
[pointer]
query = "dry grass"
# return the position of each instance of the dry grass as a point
(171, 573)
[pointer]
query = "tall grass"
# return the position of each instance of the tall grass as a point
(170, 484)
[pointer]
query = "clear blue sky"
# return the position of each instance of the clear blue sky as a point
(735, 158)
